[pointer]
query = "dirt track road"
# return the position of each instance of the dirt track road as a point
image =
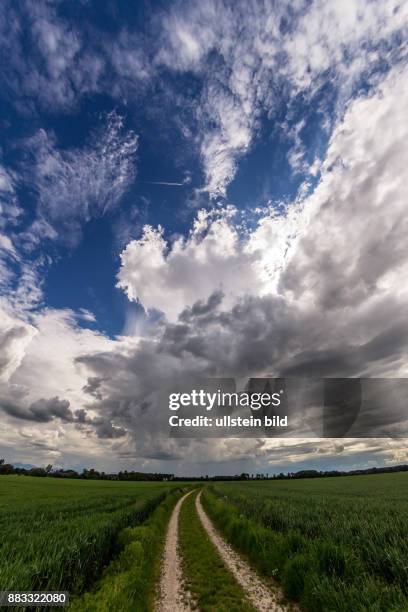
(261, 597)
(172, 594)
(172, 597)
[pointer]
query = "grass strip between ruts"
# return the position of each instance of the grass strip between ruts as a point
(212, 586)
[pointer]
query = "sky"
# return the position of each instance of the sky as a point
(202, 188)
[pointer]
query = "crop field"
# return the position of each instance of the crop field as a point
(327, 544)
(59, 534)
(332, 543)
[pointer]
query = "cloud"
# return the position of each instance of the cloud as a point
(219, 254)
(41, 382)
(41, 411)
(130, 61)
(316, 288)
(353, 252)
(249, 59)
(48, 367)
(38, 363)
(289, 296)
(20, 279)
(15, 336)
(10, 211)
(68, 59)
(347, 40)
(315, 291)
(76, 185)
(151, 270)
(41, 440)
(70, 186)
(57, 66)
(300, 254)
(253, 57)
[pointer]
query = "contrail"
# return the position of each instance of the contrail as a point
(163, 183)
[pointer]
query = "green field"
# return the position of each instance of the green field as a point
(59, 534)
(332, 543)
(130, 581)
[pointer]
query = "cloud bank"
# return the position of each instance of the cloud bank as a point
(316, 290)
(314, 287)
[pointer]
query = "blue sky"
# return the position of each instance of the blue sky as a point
(167, 171)
(155, 154)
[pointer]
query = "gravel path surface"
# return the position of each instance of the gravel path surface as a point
(172, 596)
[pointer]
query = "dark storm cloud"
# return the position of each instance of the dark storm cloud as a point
(41, 411)
(200, 308)
(81, 415)
(45, 410)
(347, 359)
(164, 456)
(92, 386)
(248, 338)
(257, 337)
(105, 429)
(338, 305)
(389, 343)
(56, 409)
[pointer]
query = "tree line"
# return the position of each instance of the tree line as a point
(92, 474)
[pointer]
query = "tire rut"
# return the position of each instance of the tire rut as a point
(261, 597)
(172, 595)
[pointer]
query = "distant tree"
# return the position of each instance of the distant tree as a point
(37, 472)
(48, 468)
(6, 468)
